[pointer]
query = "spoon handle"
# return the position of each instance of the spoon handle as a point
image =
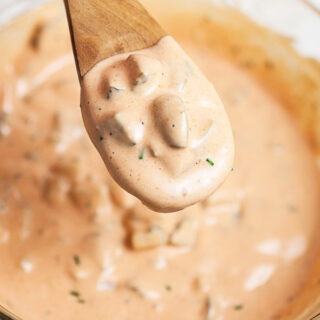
(102, 28)
(7, 315)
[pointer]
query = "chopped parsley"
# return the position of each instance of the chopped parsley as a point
(141, 155)
(76, 259)
(168, 287)
(101, 138)
(232, 169)
(210, 162)
(238, 307)
(75, 293)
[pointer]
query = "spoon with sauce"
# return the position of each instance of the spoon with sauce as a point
(155, 119)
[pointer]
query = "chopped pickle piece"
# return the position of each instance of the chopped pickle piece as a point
(182, 162)
(152, 219)
(201, 122)
(90, 195)
(211, 311)
(185, 233)
(202, 283)
(56, 189)
(70, 168)
(133, 129)
(141, 79)
(143, 289)
(145, 73)
(171, 118)
(180, 76)
(111, 92)
(152, 238)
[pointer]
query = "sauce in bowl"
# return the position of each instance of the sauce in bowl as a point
(74, 245)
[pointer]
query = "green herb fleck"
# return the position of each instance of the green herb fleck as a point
(141, 155)
(238, 307)
(101, 138)
(76, 259)
(210, 162)
(75, 293)
(81, 301)
(168, 287)
(232, 169)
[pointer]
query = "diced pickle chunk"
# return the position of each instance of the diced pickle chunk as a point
(112, 91)
(56, 189)
(90, 195)
(185, 233)
(149, 239)
(145, 73)
(141, 79)
(70, 169)
(171, 118)
(132, 129)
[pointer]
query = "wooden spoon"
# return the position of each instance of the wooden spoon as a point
(102, 28)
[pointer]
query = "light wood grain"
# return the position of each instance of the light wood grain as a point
(103, 28)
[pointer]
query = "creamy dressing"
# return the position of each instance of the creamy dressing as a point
(159, 126)
(75, 246)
